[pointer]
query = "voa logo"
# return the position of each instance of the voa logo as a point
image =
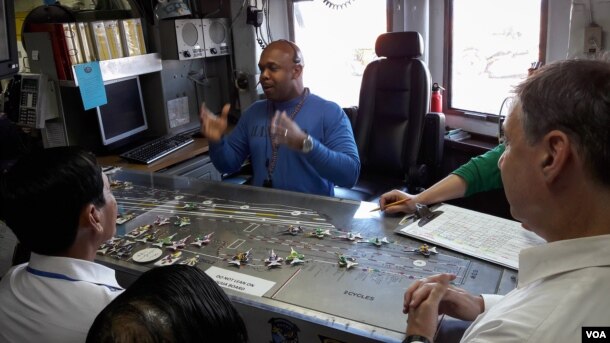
(595, 334)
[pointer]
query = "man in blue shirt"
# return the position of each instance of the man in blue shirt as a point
(296, 140)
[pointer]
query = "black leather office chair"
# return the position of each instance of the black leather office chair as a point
(390, 120)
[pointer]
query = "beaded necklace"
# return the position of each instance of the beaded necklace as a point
(274, 145)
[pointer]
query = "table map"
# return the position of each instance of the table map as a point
(326, 258)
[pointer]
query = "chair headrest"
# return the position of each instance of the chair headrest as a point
(399, 44)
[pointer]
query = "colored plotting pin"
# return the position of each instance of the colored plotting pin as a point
(192, 261)
(182, 221)
(241, 258)
(200, 240)
(425, 250)
(138, 231)
(319, 233)
(109, 245)
(377, 242)
(273, 260)
(169, 259)
(164, 241)
(347, 262)
(179, 244)
(123, 250)
(295, 257)
(161, 220)
(351, 236)
(149, 237)
(293, 230)
(124, 218)
(190, 206)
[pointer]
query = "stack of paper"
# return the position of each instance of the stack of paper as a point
(476, 234)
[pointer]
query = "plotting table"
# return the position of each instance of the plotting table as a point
(314, 300)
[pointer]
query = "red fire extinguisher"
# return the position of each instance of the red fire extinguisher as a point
(436, 103)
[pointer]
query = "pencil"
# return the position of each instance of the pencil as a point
(391, 204)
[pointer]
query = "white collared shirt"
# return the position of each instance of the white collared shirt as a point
(53, 299)
(562, 287)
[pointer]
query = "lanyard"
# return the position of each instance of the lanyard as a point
(58, 276)
(275, 146)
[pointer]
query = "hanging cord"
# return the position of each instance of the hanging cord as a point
(267, 19)
(507, 101)
(241, 9)
(216, 11)
(259, 39)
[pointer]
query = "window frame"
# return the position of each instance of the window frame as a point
(447, 61)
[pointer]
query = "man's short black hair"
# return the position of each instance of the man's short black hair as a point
(42, 195)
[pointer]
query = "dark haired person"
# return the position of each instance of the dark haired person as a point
(555, 176)
(176, 303)
(59, 205)
(296, 140)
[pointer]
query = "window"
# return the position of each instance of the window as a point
(337, 44)
(490, 46)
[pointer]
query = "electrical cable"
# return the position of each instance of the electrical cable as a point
(260, 41)
(268, 20)
(215, 11)
(259, 36)
(140, 8)
(241, 9)
(500, 120)
(152, 11)
(234, 98)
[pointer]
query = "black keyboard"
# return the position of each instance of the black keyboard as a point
(154, 150)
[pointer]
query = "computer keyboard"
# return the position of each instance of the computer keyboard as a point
(154, 150)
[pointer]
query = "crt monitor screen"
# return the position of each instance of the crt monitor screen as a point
(124, 114)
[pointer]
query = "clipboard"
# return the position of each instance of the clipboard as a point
(472, 233)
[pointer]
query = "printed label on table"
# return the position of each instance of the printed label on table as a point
(239, 282)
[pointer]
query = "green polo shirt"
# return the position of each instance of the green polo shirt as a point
(481, 173)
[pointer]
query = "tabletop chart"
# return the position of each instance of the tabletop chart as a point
(296, 265)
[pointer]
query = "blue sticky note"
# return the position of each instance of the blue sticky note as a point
(91, 85)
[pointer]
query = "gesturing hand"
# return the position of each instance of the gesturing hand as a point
(285, 131)
(213, 126)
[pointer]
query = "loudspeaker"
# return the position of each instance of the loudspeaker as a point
(181, 39)
(216, 37)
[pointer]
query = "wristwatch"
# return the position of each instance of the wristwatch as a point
(307, 144)
(416, 339)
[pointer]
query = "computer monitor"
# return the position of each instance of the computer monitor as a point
(9, 60)
(124, 115)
